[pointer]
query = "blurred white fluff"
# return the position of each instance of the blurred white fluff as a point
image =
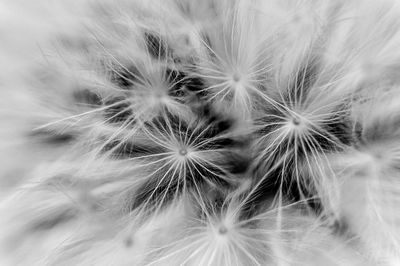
(369, 195)
(261, 132)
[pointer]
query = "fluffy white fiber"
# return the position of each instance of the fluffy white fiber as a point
(213, 132)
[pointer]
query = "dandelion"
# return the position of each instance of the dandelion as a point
(184, 132)
(177, 156)
(234, 64)
(303, 123)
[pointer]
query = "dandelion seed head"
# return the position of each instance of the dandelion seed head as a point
(211, 132)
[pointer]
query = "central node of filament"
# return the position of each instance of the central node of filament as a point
(236, 77)
(296, 121)
(183, 152)
(296, 124)
(222, 230)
